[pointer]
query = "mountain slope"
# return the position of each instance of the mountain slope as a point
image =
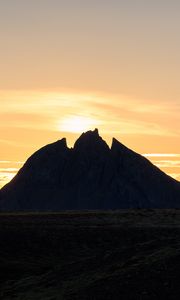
(89, 176)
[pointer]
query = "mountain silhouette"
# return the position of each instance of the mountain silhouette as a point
(89, 176)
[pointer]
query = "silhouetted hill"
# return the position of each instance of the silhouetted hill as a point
(89, 176)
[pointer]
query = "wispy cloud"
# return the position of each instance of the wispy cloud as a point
(167, 163)
(11, 162)
(116, 113)
(30, 119)
(161, 155)
(9, 170)
(175, 176)
(5, 177)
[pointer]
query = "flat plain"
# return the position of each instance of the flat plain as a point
(125, 254)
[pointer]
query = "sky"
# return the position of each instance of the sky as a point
(74, 65)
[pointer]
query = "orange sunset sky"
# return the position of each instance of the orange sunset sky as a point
(74, 65)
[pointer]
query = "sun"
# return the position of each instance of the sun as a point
(77, 124)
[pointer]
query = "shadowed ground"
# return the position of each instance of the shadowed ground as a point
(128, 254)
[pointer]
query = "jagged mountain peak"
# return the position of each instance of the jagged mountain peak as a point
(62, 143)
(90, 135)
(116, 145)
(59, 145)
(55, 146)
(118, 148)
(90, 140)
(48, 154)
(89, 176)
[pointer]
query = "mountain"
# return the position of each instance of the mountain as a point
(89, 176)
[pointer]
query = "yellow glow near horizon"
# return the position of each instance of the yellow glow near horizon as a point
(119, 73)
(77, 124)
(30, 119)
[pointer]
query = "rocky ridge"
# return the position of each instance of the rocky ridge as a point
(89, 176)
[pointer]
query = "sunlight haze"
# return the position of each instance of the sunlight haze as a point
(72, 66)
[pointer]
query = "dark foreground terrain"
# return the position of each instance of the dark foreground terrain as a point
(128, 254)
